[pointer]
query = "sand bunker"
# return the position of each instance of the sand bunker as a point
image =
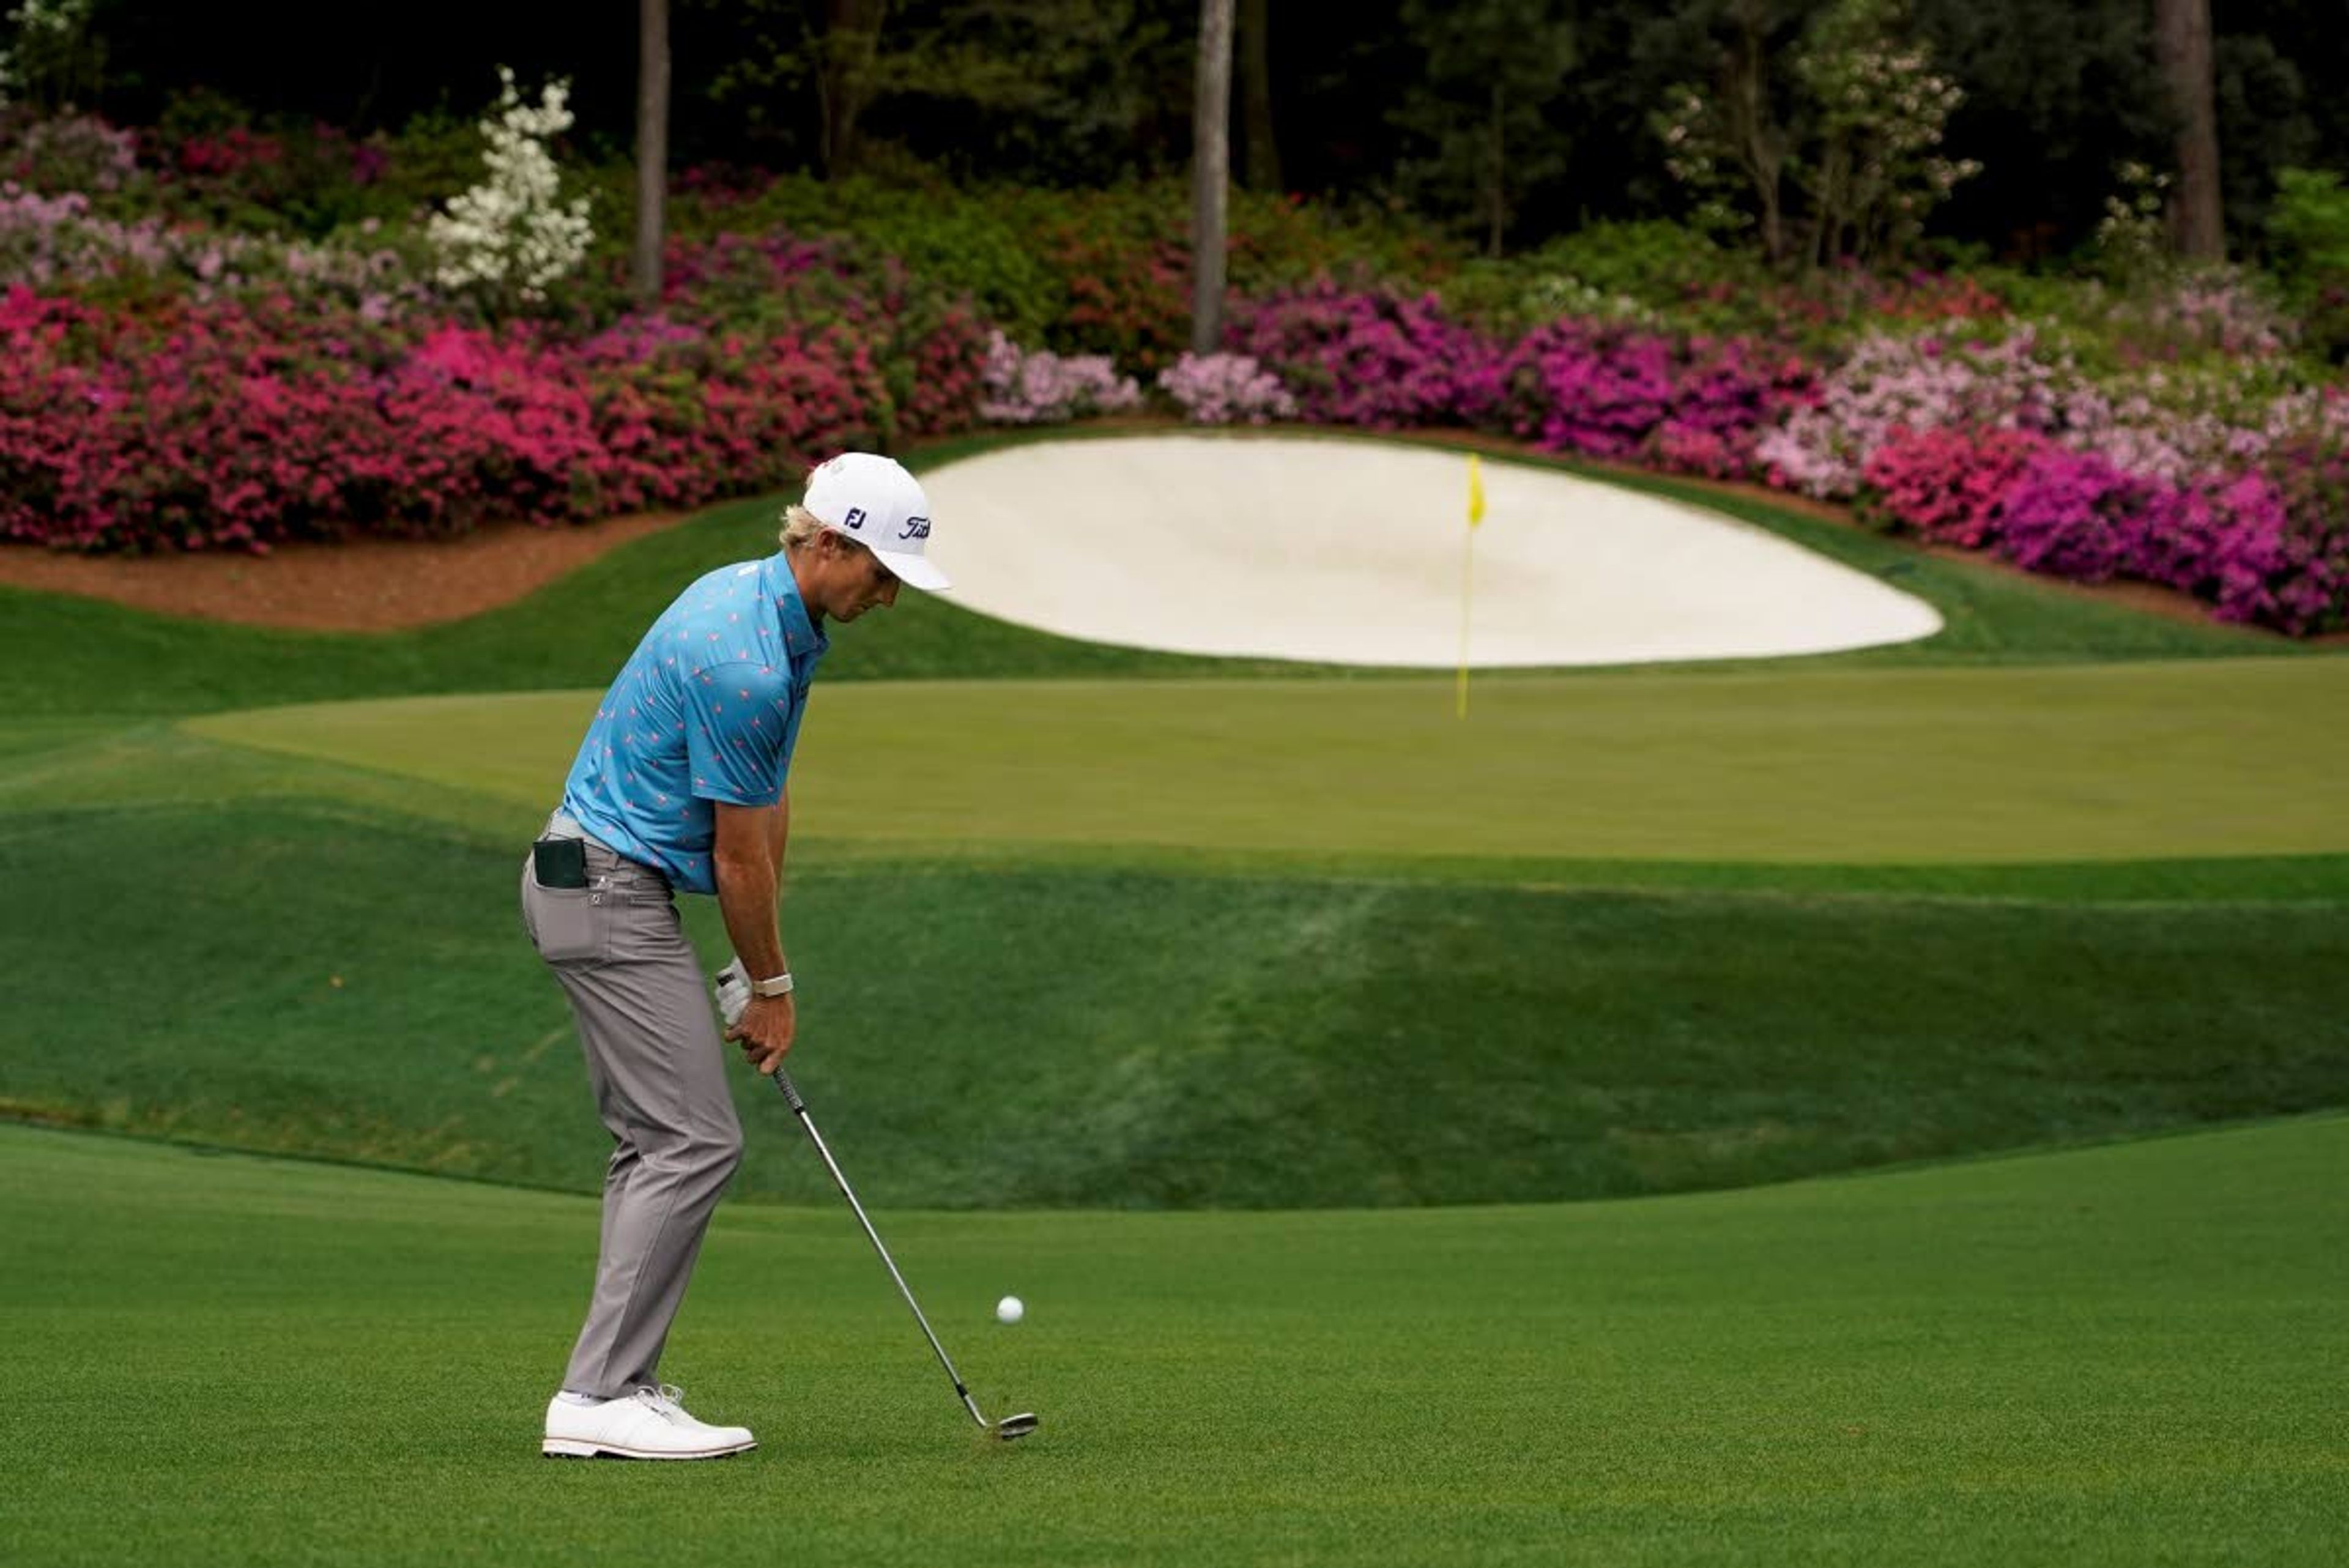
(1349, 552)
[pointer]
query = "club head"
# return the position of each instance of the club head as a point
(1011, 1428)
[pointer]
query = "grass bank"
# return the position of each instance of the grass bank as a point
(334, 979)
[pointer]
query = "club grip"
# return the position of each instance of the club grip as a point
(790, 1095)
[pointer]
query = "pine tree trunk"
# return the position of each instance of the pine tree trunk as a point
(1262, 147)
(844, 83)
(1496, 178)
(1211, 155)
(652, 151)
(2181, 35)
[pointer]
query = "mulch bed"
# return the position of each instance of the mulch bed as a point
(362, 584)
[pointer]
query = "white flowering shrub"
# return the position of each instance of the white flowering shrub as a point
(513, 235)
(1877, 169)
(1865, 145)
(48, 49)
(2132, 241)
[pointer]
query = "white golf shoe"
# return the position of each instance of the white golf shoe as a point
(649, 1424)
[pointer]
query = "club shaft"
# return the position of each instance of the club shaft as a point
(799, 1108)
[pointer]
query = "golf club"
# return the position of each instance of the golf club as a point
(1008, 1428)
(731, 1001)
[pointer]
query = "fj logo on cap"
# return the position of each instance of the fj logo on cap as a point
(916, 528)
(855, 518)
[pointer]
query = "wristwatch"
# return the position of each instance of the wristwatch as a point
(776, 985)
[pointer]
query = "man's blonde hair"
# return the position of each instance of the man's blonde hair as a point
(800, 525)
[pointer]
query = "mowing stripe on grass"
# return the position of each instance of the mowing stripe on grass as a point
(2064, 764)
(2117, 1356)
(338, 982)
(138, 766)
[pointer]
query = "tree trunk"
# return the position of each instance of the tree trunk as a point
(652, 151)
(2181, 41)
(1496, 187)
(1760, 145)
(845, 84)
(1211, 157)
(1255, 96)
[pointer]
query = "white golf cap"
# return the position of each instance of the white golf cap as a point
(873, 501)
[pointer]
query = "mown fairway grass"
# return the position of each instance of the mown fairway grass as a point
(2123, 1356)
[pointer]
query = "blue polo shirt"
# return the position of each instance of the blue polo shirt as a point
(707, 708)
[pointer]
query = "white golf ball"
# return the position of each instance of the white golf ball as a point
(1008, 1310)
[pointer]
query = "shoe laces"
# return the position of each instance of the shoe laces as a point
(667, 1398)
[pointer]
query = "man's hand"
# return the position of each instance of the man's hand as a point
(765, 1030)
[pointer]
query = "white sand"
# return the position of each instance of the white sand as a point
(1349, 552)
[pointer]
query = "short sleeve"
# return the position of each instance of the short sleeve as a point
(737, 722)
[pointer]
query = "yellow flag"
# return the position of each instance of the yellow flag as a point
(1475, 491)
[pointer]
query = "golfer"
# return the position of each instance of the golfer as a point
(681, 787)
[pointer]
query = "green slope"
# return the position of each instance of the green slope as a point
(2114, 1357)
(344, 982)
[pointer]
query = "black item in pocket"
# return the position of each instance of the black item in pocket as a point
(559, 862)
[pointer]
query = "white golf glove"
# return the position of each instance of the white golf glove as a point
(733, 991)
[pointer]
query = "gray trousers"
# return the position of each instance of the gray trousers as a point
(657, 1066)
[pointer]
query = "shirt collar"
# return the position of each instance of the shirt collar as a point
(802, 641)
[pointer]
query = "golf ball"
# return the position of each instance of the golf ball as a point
(1008, 1310)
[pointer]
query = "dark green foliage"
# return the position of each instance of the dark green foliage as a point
(1102, 271)
(2310, 231)
(1056, 92)
(1483, 133)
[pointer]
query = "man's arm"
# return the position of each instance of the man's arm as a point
(782, 828)
(748, 859)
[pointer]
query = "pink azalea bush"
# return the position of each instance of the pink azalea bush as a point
(2071, 514)
(70, 153)
(2284, 561)
(62, 243)
(1028, 387)
(1226, 389)
(237, 424)
(184, 388)
(1891, 383)
(2215, 479)
(929, 347)
(166, 382)
(2262, 552)
(1690, 405)
(1945, 485)
(1371, 358)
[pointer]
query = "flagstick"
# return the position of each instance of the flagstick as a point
(1467, 589)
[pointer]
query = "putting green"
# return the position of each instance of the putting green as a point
(2024, 764)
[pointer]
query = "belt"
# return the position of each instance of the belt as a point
(562, 825)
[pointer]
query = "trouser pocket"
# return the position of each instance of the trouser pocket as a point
(567, 925)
